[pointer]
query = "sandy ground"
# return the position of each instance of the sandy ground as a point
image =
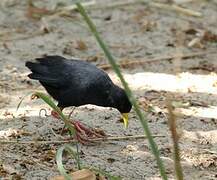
(133, 32)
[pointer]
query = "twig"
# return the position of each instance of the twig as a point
(28, 36)
(209, 151)
(70, 114)
(127, 63)
(113, 138)
(93, 5)
(66, 10)
(126, 137)
(115, 5)
(74, 7)
(176, 8)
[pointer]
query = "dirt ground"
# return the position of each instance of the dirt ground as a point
(154, 36)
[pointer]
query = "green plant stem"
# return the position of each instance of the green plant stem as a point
(47, 100)
(74, 155)
(127, 89)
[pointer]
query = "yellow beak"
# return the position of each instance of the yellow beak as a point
(125, 118)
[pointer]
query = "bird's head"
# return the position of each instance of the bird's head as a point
(121, 103)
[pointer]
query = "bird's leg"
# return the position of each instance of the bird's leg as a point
(83, 130)
(70, 114)
(56, 115)
(82, 133)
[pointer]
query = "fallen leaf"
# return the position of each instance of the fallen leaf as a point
(36, 13)
(209, 36)
(111, 160)
(3, 172)
(148, 25)
(191, 31)
(49, 155)
(92, 58)
(80, 45)
(84, 174)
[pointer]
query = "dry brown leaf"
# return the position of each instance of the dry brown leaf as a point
(36, 13)
(84, 174)
(139, 16)
(191, 31)
(80, 45)
(209, 36)
(3, 172)
(201, 37)
(111, 160)
(148, 25)
(92, 58)
(49, 155)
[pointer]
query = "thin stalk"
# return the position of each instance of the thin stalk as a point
(175, 138)
(132, 99)
(47, 100)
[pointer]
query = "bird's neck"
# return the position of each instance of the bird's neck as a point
(114, 96)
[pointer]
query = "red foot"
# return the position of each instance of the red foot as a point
(84, 134)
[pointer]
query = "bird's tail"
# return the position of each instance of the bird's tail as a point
(36, 67)
(40, 72)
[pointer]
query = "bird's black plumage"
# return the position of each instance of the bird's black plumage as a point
(76, 83)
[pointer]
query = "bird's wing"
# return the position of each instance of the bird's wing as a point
(50, 70)
(51, 60)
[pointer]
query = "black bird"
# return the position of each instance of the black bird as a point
(76, 82)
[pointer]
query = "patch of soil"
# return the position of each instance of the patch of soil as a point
(149, 42)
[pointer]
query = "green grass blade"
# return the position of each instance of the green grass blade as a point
(127, 89)
(59, 162)
(21, 100)
(48, 101)
(74, 154)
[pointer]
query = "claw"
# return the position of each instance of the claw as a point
(83, 133)
(88, 132)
